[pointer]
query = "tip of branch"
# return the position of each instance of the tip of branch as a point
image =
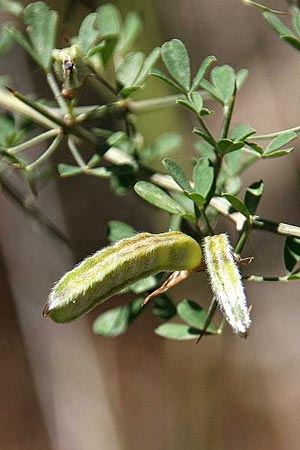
(46, 310)
(10, 90)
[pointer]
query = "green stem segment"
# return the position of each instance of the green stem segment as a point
(56, 92)
(228, 110)
(31, 142)
(259, 278)
(51, 149)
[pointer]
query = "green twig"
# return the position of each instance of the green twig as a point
(228, 110)
(56, 92)
(76, 154)
(156, 104)
(263, 7)
(205, 128)
(285, 229)
(12, 104)
(205, 218)
(31, 142)
(50, 150)
(259, 278)
(37, 107)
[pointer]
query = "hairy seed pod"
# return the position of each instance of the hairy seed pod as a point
(226, 282)
(114, 268)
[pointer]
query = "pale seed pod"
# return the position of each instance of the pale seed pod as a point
(226, 282)
(114, 268)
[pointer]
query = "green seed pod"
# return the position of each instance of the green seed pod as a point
(114, 268)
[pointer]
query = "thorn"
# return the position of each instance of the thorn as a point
(10, 90)
(46, 310)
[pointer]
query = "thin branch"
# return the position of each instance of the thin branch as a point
(31, 142)
(156, 104)
(264, 8)
(11, 103)
(37, 107)
(57, 93)
(275, 227)
(228, 110)
(50, 150)
(259, 278)
(76, 154)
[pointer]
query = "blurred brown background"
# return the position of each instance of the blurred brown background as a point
(61, 388)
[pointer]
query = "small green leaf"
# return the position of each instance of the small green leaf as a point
(108, 20)
(280, 141)
(185, 202)
(223, 78)
(6, 41)
(130, 68)
(177, 174)
(205, 112)
(195, 316)
(253, 196)
(130, 30)
(204, 136)
(101, 172)
(21, 40)
(295, 276)
(157, 197)
(202, 71)
(206, 150)
(277, 24)
(257, 148)
(241, 77)
(232, 185)
(203, 176)
(164, 307)
(112, 322)
(292, 40)
(196, 198)
(106, 48)
(238, 205)
(88, 35)
(118, 230)
(187, 104)
(207, 86)
(66, 170)
(146, 284)
(41, 23)
(162, 76)
(164, 144)
(240, 132)
(12, 7)
(149, 62)
(278, 154)
(197, 101)
(228, 146)
(177, 331)
(128, 91)
(122, 177)
(291, 252)
(176, 59)
(296, 19)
